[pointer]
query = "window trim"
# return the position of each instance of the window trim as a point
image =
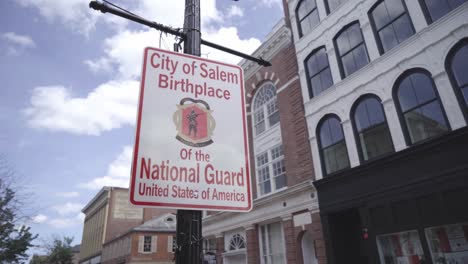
(427, 13)
(309, 83)
(261, 253)
(269, 165)
(298, 21)
(377, 39)
(448, 69)
(320, 148)
(396, 100)
(327, 6)
(264, 109)
(337, 52)
(356, 132)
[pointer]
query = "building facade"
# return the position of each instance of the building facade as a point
(108, 216)
(384, 84)
(284, 224)
(152, 243)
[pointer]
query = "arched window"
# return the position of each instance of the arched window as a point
(332, 145)
(318, 72)
(371, 128)
(391, 23)
(265, 108)
(422, 114)
(435, 9)
(350, 49)
(457, 69)
(331, 5)
(307, 16)
(237, 242)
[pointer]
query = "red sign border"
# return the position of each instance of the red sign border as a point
(137, 141)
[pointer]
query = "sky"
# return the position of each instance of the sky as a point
(70, 87)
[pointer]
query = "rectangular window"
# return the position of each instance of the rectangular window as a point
(147, 244)
(273, 113)
(259, 122)
(449, 243)
(271, 170)
(402, 247)
(272, 244)
(174, 243)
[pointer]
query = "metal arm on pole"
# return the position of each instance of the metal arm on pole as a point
(105, 8)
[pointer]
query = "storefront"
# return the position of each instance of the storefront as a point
(410, 207)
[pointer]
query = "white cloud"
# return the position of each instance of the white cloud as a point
(39, 219)
(110, 105)
(172, 14)
(66, 222)
(228, 37)
(118, 172)
(68, 194)
(73, 13)
(271, 3)
(67, 208)
(100, 65)
(113, 104)
(20, 40)
(235, 10)
(125, 49)
(17, 43)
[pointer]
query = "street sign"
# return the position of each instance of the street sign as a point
(191, 148)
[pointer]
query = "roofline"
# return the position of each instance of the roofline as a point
(103, 189)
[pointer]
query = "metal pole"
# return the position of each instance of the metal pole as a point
(189, 222)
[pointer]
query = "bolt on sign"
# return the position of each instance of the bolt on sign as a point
(191, 148)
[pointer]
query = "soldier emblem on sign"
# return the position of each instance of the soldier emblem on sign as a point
(194, 122)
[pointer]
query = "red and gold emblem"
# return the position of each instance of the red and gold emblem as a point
(194, 122)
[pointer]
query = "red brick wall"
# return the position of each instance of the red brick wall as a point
(295, 136)
(161, 253)
(117, 227)
(253, 254)
(315, 229)
(219, 250)
(297, 152)
(290, 241)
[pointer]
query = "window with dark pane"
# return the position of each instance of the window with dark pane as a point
(391, 23)
(373, 134)
(333, 4)
(318, 72)
(263, 174)
(333, 145)
(307, 16)
(147, 244)
(436, 9)
(237, 242)
(351, 50)
(420, 106)
(458, 69)
(265, 109)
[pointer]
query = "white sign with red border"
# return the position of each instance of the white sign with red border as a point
(191, 148)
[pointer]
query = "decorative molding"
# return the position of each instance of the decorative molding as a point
(287, 84)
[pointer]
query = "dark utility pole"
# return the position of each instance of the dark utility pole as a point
(189, 222)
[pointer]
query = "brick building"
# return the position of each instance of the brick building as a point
(385, 96)
(284, 224)
(108, 216)
(152, 242)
